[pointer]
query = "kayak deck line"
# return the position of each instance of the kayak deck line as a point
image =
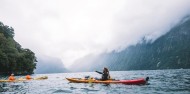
(137, 81)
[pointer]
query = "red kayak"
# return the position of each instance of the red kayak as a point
(139, 81)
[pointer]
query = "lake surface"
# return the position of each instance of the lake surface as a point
(160, 82)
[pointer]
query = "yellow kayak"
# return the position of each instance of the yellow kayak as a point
(23, 79)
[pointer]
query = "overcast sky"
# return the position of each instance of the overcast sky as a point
(71, 29)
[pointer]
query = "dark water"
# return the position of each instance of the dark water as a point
(161, 82)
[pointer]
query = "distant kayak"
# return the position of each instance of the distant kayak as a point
(23, 79)
(139, 81)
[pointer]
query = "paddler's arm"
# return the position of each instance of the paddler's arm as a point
(99, 72)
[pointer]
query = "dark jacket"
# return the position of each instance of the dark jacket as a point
(105, 76)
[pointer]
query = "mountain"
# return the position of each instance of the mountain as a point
(47, 64)
(170, 51)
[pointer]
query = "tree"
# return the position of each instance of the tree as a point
(13, 58)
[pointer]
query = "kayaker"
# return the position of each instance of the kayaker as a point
(12, 77)
(105, 74)
(28, 77)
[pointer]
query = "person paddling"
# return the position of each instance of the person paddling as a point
(105, 74)
(12, 78)
(28, 77)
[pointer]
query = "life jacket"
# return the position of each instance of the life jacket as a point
(105, 76)
(11, 78)
(28, 77)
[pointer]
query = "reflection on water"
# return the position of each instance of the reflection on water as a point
(161, 81)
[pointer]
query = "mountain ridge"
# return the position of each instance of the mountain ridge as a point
(170, 51)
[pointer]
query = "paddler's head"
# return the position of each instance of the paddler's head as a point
(105, 70)
(12, 74)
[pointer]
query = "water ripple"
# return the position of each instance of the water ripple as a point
(161, 81)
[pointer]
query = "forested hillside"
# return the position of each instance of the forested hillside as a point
(14, 58)
(170, 51)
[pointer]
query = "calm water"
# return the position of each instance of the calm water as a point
(161, 82)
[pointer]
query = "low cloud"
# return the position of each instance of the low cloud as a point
(47, 64)
(72, 29)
